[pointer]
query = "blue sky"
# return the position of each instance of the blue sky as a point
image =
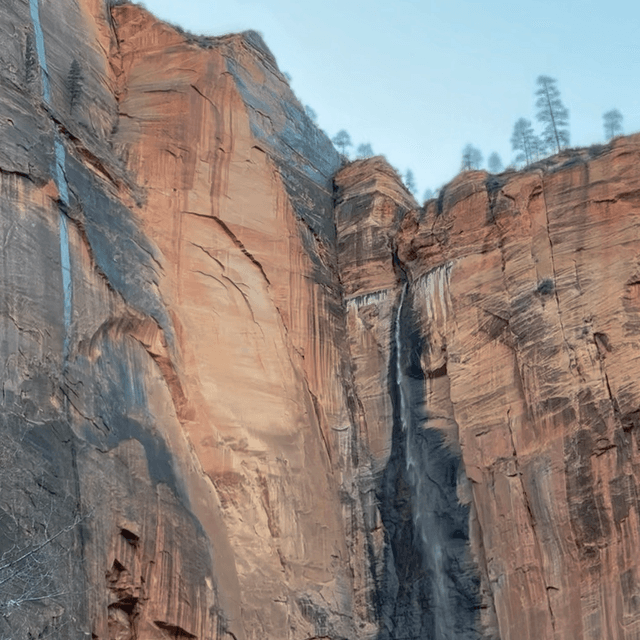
(419, 79)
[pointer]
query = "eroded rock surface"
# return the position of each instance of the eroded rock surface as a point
(536, 344)
(250, 393)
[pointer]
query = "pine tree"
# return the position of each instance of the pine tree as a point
(74, 84)
(552, 114)
(342, 140)
(364, 150)
(524, 140)
(30, 58)
(410, 182)
(471, 158)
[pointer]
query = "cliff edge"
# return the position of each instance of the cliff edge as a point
(250, 392)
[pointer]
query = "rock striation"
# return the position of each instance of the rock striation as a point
(250, 391)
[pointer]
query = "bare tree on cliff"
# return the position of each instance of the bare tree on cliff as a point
(538, 148)
(612, 124)
(552, 113)
(342, 140)
(524, 140)
(471, 158)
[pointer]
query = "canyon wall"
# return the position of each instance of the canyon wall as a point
(251, 390)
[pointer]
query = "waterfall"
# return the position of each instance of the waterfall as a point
(398, 341)
(60, 180)
(448, 595)
(417, 467)
(42, 58)
(65, 256)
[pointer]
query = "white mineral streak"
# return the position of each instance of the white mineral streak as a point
(432, 291)
(367, 298)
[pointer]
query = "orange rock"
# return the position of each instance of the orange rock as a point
(539, 348)
(249, 393)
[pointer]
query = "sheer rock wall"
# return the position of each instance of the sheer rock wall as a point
(248, 392)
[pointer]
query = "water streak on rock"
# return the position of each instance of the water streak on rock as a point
(42, 59)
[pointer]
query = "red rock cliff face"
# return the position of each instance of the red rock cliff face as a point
(247, 393)
(537, 342)
(186, 318)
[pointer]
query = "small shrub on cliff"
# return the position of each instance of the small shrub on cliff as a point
(546, 287)
(311, 114)
(410, 182)
(364, 150)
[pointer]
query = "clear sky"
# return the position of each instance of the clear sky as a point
(419, 79)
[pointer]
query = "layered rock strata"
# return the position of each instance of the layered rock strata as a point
(248, 392)
(538, 349)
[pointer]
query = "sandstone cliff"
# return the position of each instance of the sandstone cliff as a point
(248, 392)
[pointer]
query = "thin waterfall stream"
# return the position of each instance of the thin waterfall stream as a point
(430, 469)
(60, 179)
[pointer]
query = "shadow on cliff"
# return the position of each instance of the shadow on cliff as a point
(429, 587)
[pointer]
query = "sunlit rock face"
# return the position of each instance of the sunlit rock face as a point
(171, 301)
(537, 358)
(250, 393)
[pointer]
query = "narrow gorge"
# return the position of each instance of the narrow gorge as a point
(251, 390)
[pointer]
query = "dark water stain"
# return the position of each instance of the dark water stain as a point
(430, 588)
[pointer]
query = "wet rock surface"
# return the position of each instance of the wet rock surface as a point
(248, 392)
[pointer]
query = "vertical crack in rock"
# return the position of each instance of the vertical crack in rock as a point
(518, 367)
(532, 521)
(573, 360)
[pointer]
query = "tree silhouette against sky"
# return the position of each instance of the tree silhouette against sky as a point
(612, 123)
(364, 150)
(410, 181)
(524, 140)
(342, 140)
(495, 163)
(553, 115)
(471, 158)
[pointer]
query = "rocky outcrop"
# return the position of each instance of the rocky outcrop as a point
(248, 392)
